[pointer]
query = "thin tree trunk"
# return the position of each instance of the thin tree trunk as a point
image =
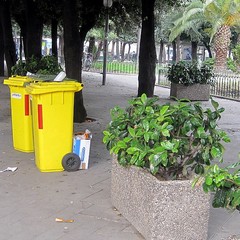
(147, 56)
(1, 52)
(138, 42)
(129, 49)
(174, 46)
(123, 51)
(61, 48)
(168, 53)
(194, 45)
(178, 49)
(91, 45)
(160, 57)
(9, 46)
(238, 38)
(21, 47)
(117, 49)
(99, 49)
(113, 48)
(54, 37)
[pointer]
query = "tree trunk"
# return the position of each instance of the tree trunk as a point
(6, 25)
(174, 46)
(1, 51)
(74, 44)
(91, 45)
(21, 47)
(178, 49)
(208, 48)
(138, 43)
(117, 49)
(129, 50)
(72, 54)
(113, 48)
(168, 53)
(99, 49)
(54, 37)
(123, 52)
(34, 29)
(147, 55)
(160, 58)
(61, 48)
(194, 51)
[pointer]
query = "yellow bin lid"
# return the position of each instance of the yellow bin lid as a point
(16, 80)
(49, 87)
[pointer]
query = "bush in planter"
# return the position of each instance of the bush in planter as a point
(171, 141)
(190, 73)
(224, 183)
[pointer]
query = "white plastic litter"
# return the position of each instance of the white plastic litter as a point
(11, 169)
(30, 74)
(59, 77)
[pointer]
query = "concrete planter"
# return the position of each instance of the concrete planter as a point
(195, 92)
(167, 210)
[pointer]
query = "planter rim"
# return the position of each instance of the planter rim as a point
(143, 171)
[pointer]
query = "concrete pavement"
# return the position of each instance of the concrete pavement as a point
(30, 201)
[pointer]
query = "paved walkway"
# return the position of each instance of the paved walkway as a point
(30, 201)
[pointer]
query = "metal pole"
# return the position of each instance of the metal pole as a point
(105, 48)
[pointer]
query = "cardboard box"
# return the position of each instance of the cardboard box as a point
(81, 147)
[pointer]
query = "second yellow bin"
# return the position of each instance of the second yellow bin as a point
(52, 112)
(21, 113)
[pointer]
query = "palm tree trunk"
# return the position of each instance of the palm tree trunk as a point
(221, 46)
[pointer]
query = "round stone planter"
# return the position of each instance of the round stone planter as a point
(167, 210)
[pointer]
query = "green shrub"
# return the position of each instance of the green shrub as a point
(46, 65)
(190, 73)
(170, 140)
(49, 65)
(231, 65)
(19, 69)
(209, 62)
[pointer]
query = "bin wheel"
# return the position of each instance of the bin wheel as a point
(71, 162)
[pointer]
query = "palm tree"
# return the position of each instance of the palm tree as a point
(220, 14)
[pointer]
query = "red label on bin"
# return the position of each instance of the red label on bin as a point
(26, 105)
(40, 117)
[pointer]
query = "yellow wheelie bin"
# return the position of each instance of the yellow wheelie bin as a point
(21, 113)
(52, 111)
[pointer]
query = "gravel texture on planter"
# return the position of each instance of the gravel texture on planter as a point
(195, 92)
(167, 210)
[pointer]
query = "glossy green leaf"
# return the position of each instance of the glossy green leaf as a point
(167, 145)
(144, 98)
(215, 152)
(146, 137)
(208, 180)
(132, 150)
(146, 125)
(131, 131)
(121, 144)
(164, 110)
(215, 104)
